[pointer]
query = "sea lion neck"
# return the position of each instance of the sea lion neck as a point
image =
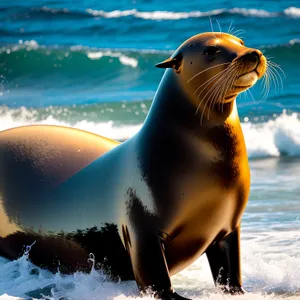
(172, 109)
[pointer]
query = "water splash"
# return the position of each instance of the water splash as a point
(268, 264)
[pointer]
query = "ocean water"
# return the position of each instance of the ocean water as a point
(90, 65)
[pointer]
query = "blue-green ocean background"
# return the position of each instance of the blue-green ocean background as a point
(62, 53)
(90, 64)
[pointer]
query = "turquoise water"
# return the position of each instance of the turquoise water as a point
(90, 65)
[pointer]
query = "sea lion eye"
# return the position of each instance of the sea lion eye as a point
(211, 50)
(242, 42)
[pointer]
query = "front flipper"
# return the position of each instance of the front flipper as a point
(150, 267)
(224, 260)
(169, 296)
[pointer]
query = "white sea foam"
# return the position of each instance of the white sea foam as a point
(157, 15)
(252, 12)
(28, 45)
(92, 53)
(170, 15)
(292, 11)
(111, 14)
(273, 138)
(95, 55)
(32, 44)
(129, 61)
(294, 41)
(53, 10)
(125, 60)
(10, 118)
(167, 15)
(280, 136)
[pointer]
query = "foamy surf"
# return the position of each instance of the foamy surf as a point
(291, 11)
(125, 60)
(268, 262)
(277, 137)
(274, 138)
(171, 15)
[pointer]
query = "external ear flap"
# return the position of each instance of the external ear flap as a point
(168, 63)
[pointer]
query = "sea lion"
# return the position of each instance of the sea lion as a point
(154, 203)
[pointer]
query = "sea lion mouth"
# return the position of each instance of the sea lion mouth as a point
(253, 70)
(229, 98)
(257, 71)
(246, 80)
(242, 86)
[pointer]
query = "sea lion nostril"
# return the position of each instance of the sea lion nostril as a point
(259, 53)
(253, 56)
(256, 54)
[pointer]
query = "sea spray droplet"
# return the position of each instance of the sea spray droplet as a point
(28, 248)
(91, 260)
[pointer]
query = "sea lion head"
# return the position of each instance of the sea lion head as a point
(213, 68)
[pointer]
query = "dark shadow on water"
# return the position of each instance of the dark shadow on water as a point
(70, 251)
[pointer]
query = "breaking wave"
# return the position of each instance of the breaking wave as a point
(293, 12)
(277, 137)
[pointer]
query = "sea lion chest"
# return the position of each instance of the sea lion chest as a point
(200, 190)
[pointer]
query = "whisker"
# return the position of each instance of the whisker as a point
(238, 33)
(226, 81)
(219, 26)
(272, 68)
(266, 88)
(232, 71)
(218, 75)
(206, 84)
(268, 57)
(212, 88)
(266, 79)
(207, 70)
(238, 71)
(216, 90)
(229, 28)
(274, 79)
(208, 81)
(212, 26)
(239, 30)
(251, 95)
(246, 93)
(232, 81)
(220, 91)
(239, 36)
(275, 64)
(271, 63)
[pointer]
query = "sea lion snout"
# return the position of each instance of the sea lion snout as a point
(251, 56)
